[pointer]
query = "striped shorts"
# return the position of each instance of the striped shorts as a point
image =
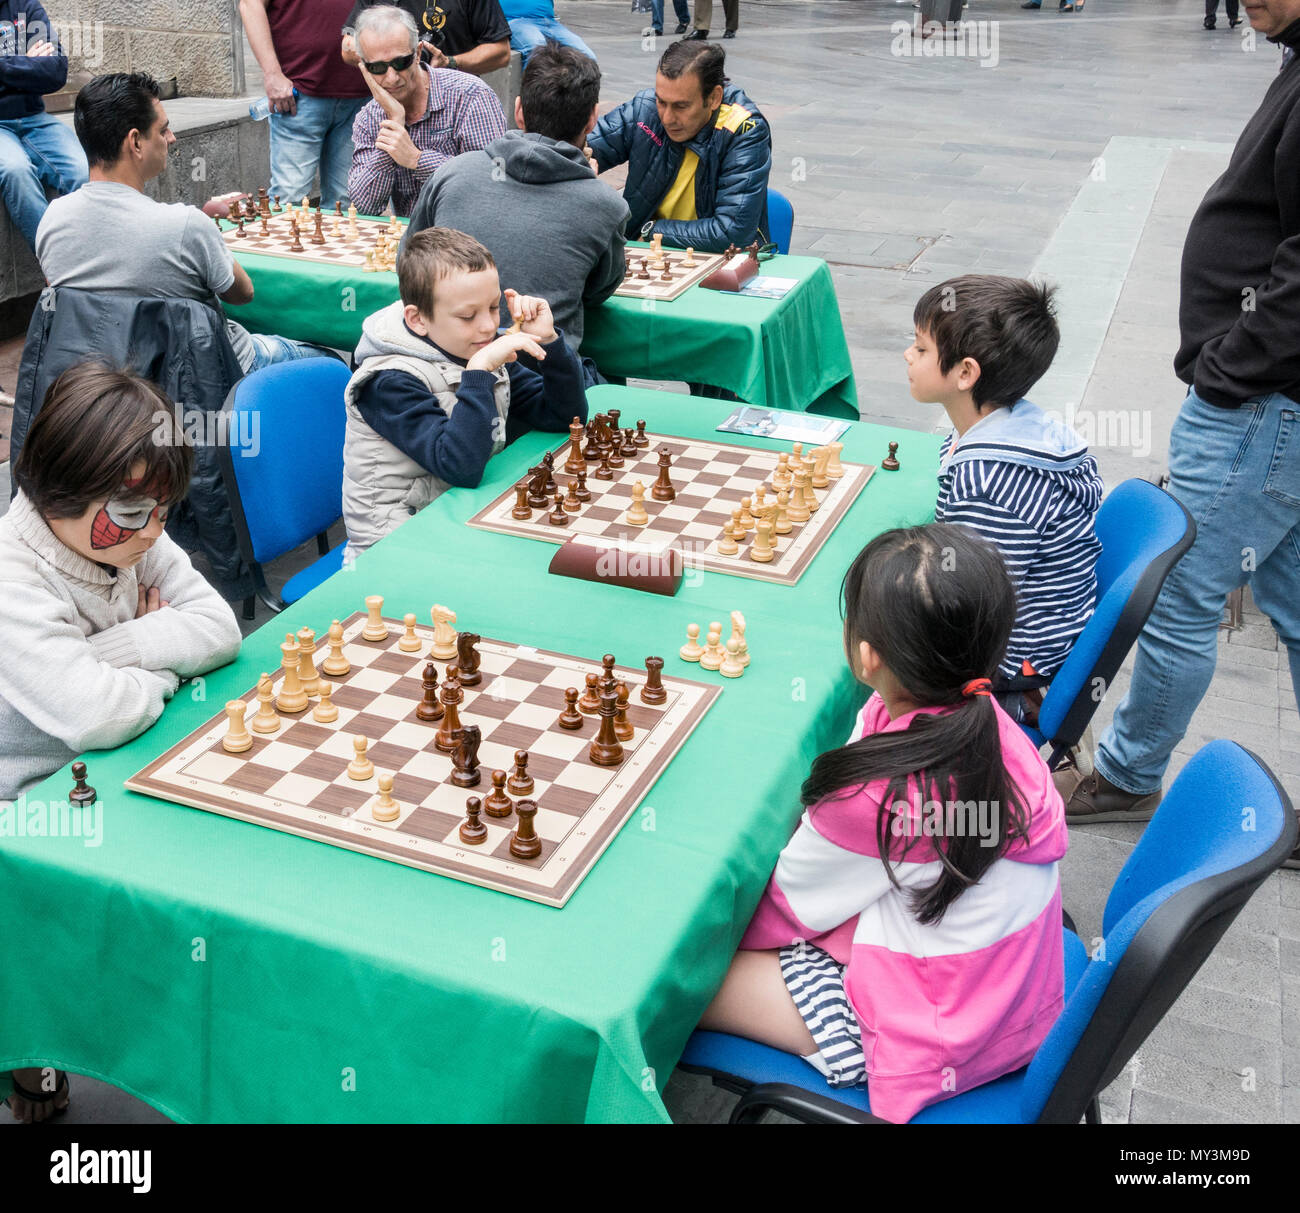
(816, 983)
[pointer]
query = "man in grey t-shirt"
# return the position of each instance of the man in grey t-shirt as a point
(110, 236)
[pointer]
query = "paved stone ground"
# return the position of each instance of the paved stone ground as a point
(1078, 155)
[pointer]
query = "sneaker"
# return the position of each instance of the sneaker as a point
(682, 27)
(1096, 799)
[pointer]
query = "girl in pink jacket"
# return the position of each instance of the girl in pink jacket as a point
(910, 936)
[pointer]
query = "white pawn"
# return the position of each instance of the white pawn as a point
(360, 767)
(325, 711)
(384, 807)
(711, 658)
(727, 545)
(636, 514)
(410, 642)
(692, 650)
(731, 666)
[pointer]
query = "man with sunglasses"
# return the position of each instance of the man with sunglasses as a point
(465, 35)
(314, 96)
(419, 119)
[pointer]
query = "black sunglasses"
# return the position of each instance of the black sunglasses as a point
(380, 66)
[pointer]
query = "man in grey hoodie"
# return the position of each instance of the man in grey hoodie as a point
(532, 196)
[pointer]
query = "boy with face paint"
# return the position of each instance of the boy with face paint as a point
(102, 613)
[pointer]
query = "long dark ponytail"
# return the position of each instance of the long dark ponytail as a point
(936, 604)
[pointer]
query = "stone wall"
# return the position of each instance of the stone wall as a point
(200, 42)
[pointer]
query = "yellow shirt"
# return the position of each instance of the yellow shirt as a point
(679, 201)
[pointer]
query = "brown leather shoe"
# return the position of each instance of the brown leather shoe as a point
(1096, 799)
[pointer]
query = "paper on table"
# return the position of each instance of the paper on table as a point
(783, 425)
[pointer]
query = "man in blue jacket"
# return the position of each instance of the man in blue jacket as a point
(36, 149)
(698, 154)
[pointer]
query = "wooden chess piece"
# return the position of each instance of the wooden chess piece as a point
(410, 642)
(318, 236)
(612, 456)
(430, 708)
(444, 635)
(81, 795)
(548, 462)
(571, 503)
(663, 487)
(570, 717)
(472, 830)
(240, 234)
(376, 629)
(727, 545)
(834, 468)
(292, 697)
(730, 666)
(890, 462)
(809, 494)
(797, 510)
(711, 658)
(692, 649)
(524, 843)
(821, 464)
(575, 462)
(738, 634)
(467, 659)
(464, 757)
(689, 260)
(590, 701)
(582, 492)
(537, 496)
(642, 438)
(360, 767)
(608, 679)
(450, 697)
(606, 750)
(325, 712)
(237, 738)
(558, 516)
(384, 807)
(746, 515)
(266, 721)
(498, 804)
(604, 472)
(653, 691)
(522, 511)
(629, 448)
(297, 245)
(783, 525)
(306, 664)
(336, 665)
(636, 514)
(520, 781)
(623, 729)
(762, 550)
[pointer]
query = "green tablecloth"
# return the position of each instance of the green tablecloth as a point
(778, 353)
(222, 971)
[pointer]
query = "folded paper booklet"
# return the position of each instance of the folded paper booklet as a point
(783, 426)
(764, 286)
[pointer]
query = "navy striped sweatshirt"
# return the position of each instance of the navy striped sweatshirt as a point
(1026, 483)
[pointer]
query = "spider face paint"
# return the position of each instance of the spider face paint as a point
(124, 515)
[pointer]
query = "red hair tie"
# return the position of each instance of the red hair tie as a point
(977, 686)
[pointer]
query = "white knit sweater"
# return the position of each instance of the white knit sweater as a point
(79, 671)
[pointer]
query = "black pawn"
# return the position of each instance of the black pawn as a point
(582, 492)
(520, 781)
(81, 794)
(642, 439)
(559, 516)
(570, 718)
(498, 804)
(890, 462)
(629, 450)
(472, 830)
(604, 472)
(430, 708)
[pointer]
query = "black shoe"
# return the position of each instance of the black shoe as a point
(1233, 22)
(1027, 4)
(682, 27)
(696, 35)
(658, 33)
(730, 33)
(1209, 23)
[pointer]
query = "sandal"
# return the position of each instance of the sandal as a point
(61, 1087)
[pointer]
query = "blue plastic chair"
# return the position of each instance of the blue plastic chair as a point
(290, 487)
(780, 219)
(1222, 828)
(1144, 533)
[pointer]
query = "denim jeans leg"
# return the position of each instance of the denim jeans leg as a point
(555, 32)
(1219, 461)
(525, 37)
(296, 143)
(657, 15)
(269, 349)
(56, 153)
(683, 11)
(20, 184)
(336, 159)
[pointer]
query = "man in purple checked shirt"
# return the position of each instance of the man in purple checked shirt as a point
(419, 118)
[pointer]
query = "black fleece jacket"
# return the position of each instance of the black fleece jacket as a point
(1239, 311)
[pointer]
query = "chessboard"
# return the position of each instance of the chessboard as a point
(712, 481)
(340, 247)
(644, 281)
(296, 779)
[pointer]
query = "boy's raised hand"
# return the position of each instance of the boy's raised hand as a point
(505, 348)
(533, 315)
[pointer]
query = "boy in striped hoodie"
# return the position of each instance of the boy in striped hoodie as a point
(1019, 476)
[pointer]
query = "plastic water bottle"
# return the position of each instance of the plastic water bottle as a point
(261, 108)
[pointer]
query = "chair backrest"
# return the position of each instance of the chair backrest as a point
(1222, 828)
(1143, 533)
(283, 459)
(780, 219)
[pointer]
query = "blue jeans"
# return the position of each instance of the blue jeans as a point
(270, 349)
(1238, 473)
(680, 7)
(319, 135)
(528, 33)
(35, 152)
